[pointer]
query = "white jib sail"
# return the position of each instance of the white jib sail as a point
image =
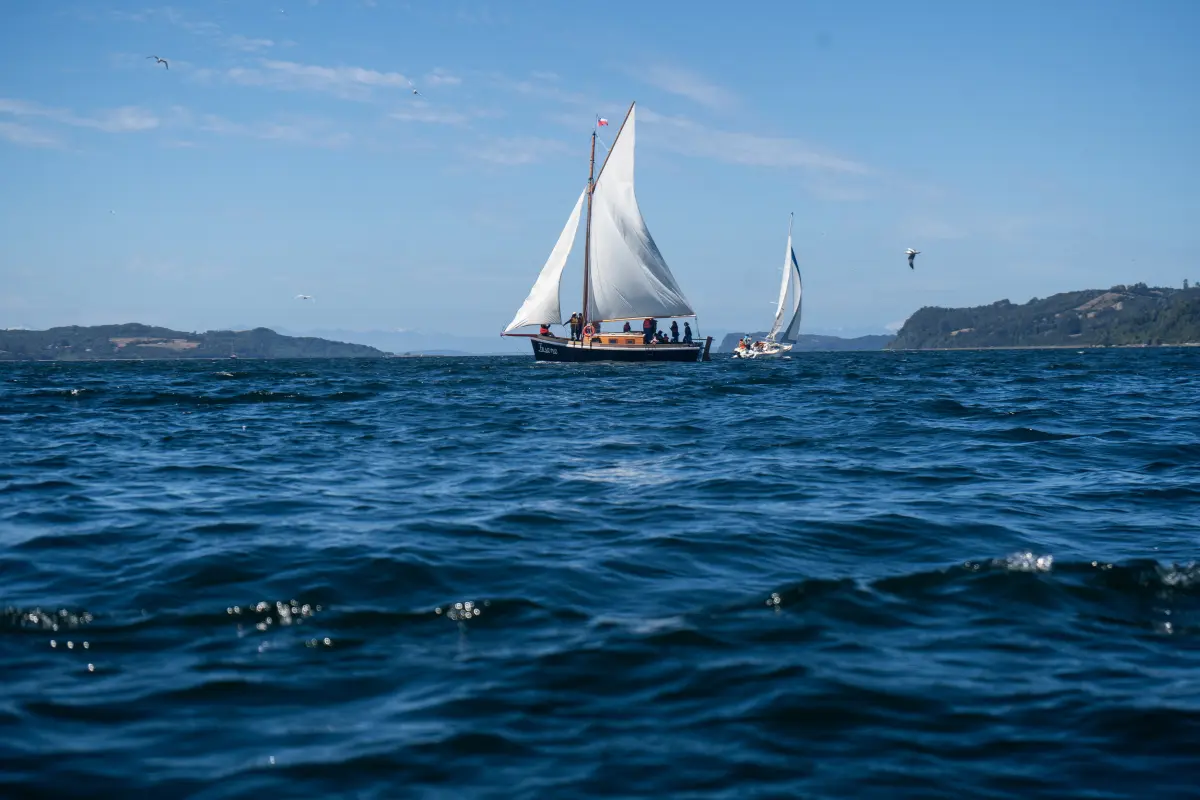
(790, 284)
(542, 304)
(629, 277)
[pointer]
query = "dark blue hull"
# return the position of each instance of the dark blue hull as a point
(553, 349)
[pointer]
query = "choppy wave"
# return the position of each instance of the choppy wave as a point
(919, 575)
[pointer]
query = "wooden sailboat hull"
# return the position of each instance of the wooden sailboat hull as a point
(565, 350)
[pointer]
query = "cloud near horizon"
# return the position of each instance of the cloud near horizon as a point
(352, 83)
(686, 83)
(126, 119)
(690, 138)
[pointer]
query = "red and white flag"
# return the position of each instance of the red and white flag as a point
(602, 121)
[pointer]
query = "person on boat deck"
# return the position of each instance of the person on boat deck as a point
(544, 330)
(674, 331)
(647, 330)
(687, 333)
(662, 338)
(574, 322)
(627, 328)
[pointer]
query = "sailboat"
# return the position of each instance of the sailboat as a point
(781, 337)
(625, 277)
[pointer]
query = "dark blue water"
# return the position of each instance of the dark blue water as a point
(869, 575)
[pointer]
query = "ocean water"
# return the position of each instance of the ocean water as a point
(840, 575)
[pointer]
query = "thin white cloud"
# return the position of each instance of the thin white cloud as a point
(691, 138)
(685, 83)
(210, 30)
(480, 15)
(172, 17)
(307, 132)
(127, 119)
(301, 131)
(931, 229)
(540, 88)
(441, 77)
(420, 111)
(518, 150)
(354, 83)
(248, 45)
(26, 136)
(840, 192)
(430, 115)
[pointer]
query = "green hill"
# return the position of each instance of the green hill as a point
(1122, 315)
(134, 341)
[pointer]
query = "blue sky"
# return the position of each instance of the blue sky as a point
(1024, 147)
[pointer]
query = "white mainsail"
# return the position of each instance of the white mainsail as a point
(790, 283)
(542, 304)
(628, 276)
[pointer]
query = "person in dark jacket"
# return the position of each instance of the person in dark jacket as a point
(627, 329)
(674, 331)
(687, 333)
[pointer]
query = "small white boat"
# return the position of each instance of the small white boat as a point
(781, 337)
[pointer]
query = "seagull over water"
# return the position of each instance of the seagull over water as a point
(911, 255)
(162, 61)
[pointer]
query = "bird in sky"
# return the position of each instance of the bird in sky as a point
(414, 88)
(911, 255)
(162, 61)
(305, 297)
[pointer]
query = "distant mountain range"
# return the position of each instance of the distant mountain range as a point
(811, 342)
(1123, 315)
(135, 341)
(428, 344)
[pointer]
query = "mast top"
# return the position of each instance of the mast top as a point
(614, 144)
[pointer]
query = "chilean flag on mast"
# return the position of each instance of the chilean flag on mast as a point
(601, 121)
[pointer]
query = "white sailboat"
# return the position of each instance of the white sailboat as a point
(625, 277)
(782, 336)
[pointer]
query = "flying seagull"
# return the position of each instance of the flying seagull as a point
(162, 61)
(414, 88)
(911, 255)
(305, 297)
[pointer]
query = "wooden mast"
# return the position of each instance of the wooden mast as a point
(587, 239)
